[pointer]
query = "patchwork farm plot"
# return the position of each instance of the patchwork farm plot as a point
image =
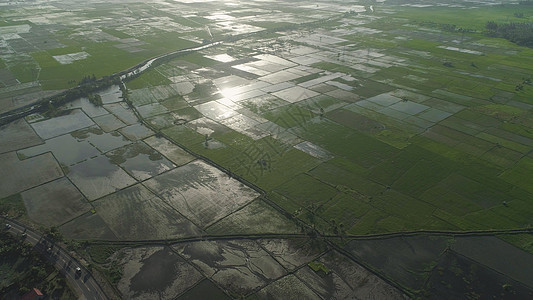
(388, 119)
(284, 154)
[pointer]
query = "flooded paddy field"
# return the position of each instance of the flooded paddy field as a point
(321, 121)
(246, 268)
(17, 135)
(66, 148)
(201, 192)
(239, 266)
(140, 161)
(256, 217)
(103, 141)
(155, 272)
(466, 278)
(175, 154)
(44, 168)
(470, 265)
(137, 214)
(74, 120)
(98, 177)
(54, 203)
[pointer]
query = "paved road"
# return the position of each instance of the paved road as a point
(84, 283)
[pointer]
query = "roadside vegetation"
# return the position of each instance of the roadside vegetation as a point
(23, 268)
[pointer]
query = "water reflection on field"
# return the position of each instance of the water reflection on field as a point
(98, 177)
(201, 192)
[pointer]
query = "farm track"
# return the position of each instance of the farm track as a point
(320, 236)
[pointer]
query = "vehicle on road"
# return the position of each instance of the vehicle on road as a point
(8, 226)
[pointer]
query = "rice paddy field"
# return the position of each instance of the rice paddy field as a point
(342, 149)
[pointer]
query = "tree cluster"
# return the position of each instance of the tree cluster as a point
(95, 99)
(82, 90)
(518, 33)
(87, 79)
(29, 269)
(446, 27)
